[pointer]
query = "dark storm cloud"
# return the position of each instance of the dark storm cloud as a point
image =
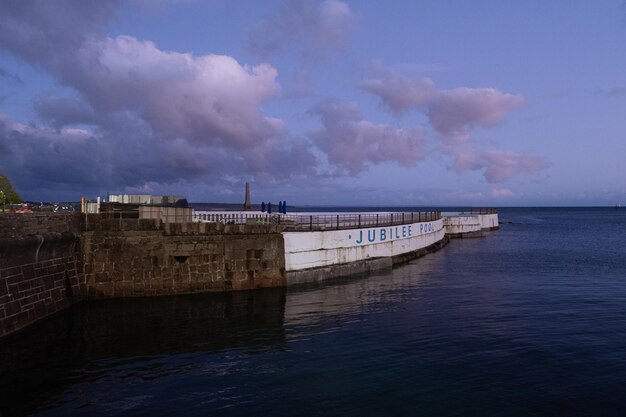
(42, 31)
(65, 111)
(122, 155)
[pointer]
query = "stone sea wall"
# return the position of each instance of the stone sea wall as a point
(40, 267)
(131, 257)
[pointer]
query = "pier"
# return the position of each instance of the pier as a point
(49, 262)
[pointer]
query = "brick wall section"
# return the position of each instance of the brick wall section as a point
(39, 267)
(131, 257)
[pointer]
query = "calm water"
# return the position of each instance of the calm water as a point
(528, 321)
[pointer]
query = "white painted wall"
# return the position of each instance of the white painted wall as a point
(467, 223)
(462, 224)
(488, 221)
(316, 249)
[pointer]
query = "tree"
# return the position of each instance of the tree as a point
(11, 196)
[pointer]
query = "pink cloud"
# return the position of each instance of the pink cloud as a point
(209, 99)
(401, 93)
(351, 142)
(452, 113)
(498, 165)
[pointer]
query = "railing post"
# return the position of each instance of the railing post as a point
(310, 222)
(359, 221)
(337, 222)
(402, 217)
(376, 219)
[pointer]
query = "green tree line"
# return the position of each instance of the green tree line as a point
(12, 197)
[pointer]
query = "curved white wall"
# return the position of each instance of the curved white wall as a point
(469, 223)
(489, 221)
(462, 224)
(305, 250)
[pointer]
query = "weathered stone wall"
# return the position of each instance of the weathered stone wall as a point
(130, 257)
(25, 224)
(39, 267)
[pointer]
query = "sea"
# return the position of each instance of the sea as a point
(529, 320)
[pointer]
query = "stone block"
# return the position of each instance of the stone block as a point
(4, 289)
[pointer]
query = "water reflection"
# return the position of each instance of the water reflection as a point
(383, 292)
(77, 344)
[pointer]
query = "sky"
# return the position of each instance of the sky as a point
(331, 102)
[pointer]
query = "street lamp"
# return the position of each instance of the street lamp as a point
(2, 198)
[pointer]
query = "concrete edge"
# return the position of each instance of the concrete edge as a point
(326, 273)
(362, 267)
(466, 235)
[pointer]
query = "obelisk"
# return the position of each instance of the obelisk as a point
(247, 206)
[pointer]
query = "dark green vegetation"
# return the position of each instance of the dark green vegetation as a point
(12, 197)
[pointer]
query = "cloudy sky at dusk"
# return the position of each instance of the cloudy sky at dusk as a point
(417, 102)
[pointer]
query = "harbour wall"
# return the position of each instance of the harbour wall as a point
(145, 257)
(40, 267)
(489, 222)
(50, 261)
(321, 255)
(470, 225)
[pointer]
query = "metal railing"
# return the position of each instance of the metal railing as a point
(483, 211)
(290, 222)
(233, 217)
(308, 222)
(353, 220)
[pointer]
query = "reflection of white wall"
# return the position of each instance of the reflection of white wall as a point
(317, 249)
(314, 305)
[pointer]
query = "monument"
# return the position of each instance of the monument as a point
(247, 206)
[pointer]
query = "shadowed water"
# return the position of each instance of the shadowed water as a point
(528, 321)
